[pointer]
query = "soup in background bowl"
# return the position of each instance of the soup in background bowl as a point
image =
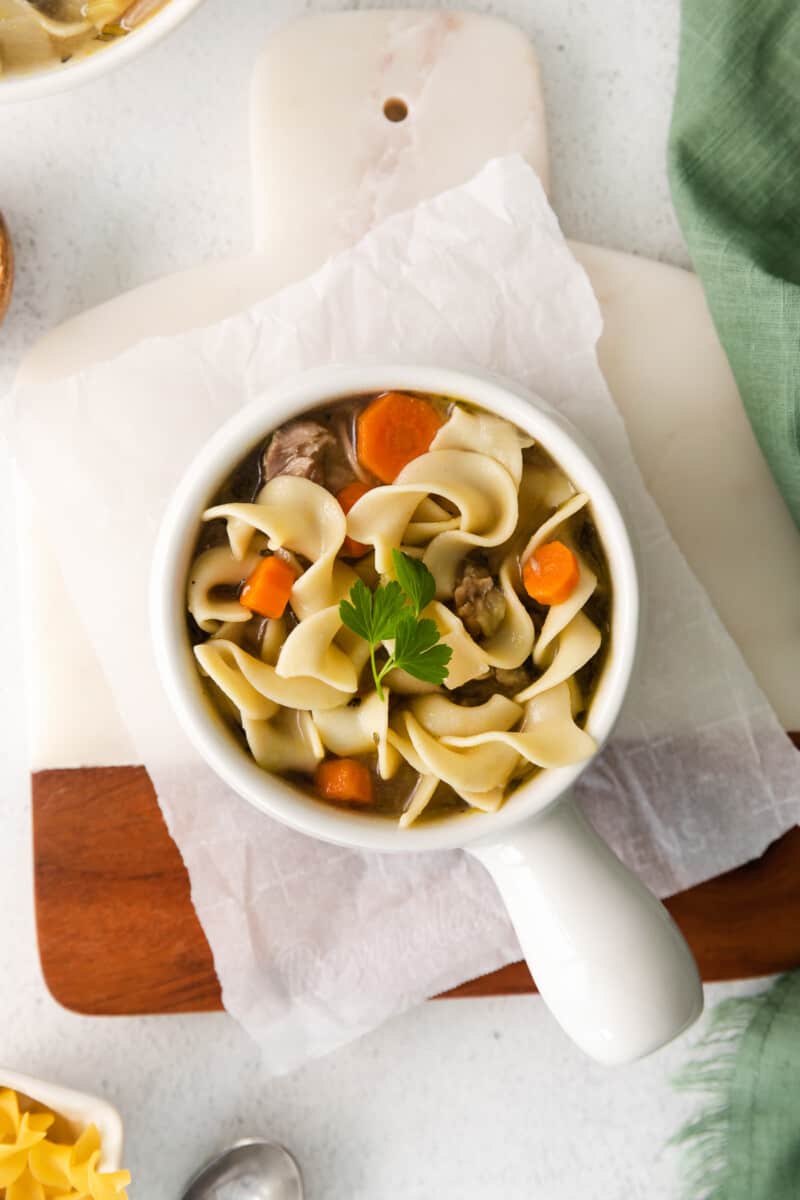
(47, 45)
(396, 608)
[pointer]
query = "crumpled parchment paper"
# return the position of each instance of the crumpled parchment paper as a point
(314, 944)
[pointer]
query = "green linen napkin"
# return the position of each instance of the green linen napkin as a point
(746, 1145)
(734, 164)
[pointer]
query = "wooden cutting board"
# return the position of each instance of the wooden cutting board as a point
(117, 930)
(118, 933)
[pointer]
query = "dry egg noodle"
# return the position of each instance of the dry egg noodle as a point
(36, 34)
(39, 1157)
(515, 588)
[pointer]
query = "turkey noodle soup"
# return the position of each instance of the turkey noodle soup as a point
(401, 604)
(37, 34)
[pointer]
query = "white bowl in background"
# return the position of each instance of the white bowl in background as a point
(30, 85)
(76, 1108)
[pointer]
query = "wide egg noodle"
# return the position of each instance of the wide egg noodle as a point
(399, 741)
(508, 647)
(430, 511)
(212, 569)
(548, 736)
(543, 488)
(360, 729)
(355, 647)
(103, 12)
(30, 15)
(481, 489)
(380, 519)
(272, 638)
(420, 799)
(310, 650)
(289, 741)
(403, 684)
(441, 717)
(485, 801)
(499, 439)
(297, 515)
(428, 519)
(230, 631)
(559, 615)
(513, 641)
(480, 767)
(218, 661)
(577, 643)
(297, 692)
(420, 533)
(545, 531)
(468, 661)
(490, 527)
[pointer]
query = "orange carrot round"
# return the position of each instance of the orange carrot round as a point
(347, 498)
(393, 430)
(551, 573)
(267, 589)
(344, 781)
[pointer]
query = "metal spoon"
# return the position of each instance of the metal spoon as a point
(249, 1170)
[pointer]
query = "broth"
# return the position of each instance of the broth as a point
(41, 34)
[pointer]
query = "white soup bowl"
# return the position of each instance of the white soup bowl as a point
(607, 958)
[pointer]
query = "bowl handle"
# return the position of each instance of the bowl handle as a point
(608, 959)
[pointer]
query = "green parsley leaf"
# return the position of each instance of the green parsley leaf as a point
(373, 615)
(383, 616)
(357, 613)
(388, 605)
(418, 651)
(415, 579)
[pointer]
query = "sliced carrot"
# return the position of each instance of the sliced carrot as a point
(347, 498)
(344, 781)
(354, 491)
(266, 590)
(551, 573)
(393, 430)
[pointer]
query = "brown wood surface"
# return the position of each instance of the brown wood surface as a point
(118, 933)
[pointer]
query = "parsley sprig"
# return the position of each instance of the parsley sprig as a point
(392, 612)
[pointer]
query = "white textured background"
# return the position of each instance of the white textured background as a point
(146, 173)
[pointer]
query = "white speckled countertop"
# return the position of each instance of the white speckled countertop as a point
(146, 173)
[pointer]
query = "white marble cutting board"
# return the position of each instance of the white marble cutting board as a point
(327, 165)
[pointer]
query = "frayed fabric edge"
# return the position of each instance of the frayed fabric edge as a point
(705, 1138)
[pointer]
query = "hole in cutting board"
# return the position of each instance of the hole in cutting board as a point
(395, 109)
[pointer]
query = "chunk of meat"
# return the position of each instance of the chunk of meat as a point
(498, 681)
(475, 691)
(299, 448)
(479, 602)
(311, 450)
(513, 680)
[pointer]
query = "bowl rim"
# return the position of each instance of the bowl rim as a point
(173, 552)
(31, 85)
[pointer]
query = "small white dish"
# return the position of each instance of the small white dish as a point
(60, 78)
(76, 1108)
(605, 954)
